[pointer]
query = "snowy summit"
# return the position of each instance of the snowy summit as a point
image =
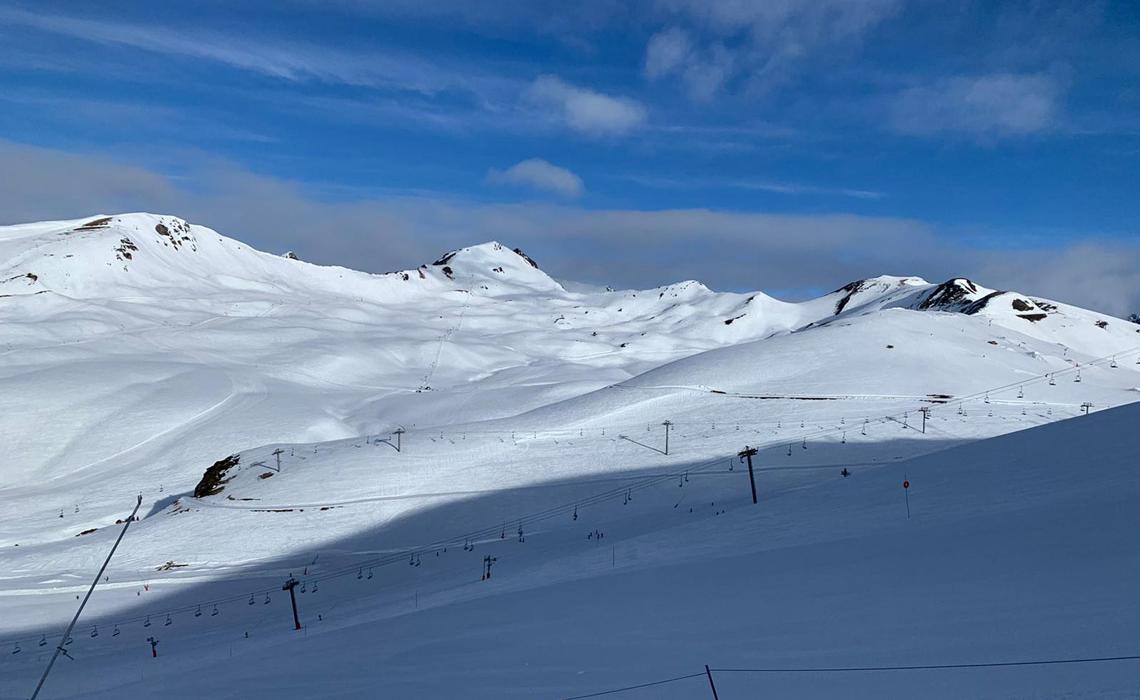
(471, 458)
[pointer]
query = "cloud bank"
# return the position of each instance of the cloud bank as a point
(793, 256)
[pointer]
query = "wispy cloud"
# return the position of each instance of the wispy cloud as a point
(704, 71)
(769, 41)
(985, 106)
(774, 186)
(584, 110)
(285, 59)
(540, 175)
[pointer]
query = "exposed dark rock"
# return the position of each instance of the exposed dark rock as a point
(524, 256)
(950, 295)
(94, 224)
(848, 290)
(214, 480)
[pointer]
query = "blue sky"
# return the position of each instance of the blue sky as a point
(785, 145)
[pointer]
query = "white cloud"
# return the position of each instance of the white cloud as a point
(704, 71)
(667, 51)
(540, 175)
(769, 39)
(807, 20)
(726, 249)
(584, 110)
(999, 104)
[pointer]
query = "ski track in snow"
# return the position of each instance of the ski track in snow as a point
(548, 400)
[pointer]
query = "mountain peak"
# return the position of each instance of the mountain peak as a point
(495, 261)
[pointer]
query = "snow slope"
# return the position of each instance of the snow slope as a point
(139, 349)
(1018, 548)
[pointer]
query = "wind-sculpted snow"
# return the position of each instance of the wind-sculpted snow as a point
(138, 350)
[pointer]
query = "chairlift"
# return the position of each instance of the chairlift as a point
(198, 611)
(94, 632)
(115, 632)
(146, 622)
(168, 622)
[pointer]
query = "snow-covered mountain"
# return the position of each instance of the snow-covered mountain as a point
(137, 350)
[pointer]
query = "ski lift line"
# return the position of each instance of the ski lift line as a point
(488, 533)
(402, 554)
(451, 330)
(639, 686)
(522, 433)
(933, 667)
(539, 516)
(601, 497)
(867, 669)
(647, 481)
(963, 400)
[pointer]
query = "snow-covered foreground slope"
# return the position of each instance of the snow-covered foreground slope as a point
(137, 350)
(1017, 548)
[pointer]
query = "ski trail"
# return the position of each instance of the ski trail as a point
(452, 330)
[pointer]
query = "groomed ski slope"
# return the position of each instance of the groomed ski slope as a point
(1018, 548)
(525, 407)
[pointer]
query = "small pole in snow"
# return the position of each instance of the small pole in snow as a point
(667, 425)
(747, 454)
(925, 414)
(712, 685)
(399, 432)
(906, 495)
(277, 453)
(289, 586)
